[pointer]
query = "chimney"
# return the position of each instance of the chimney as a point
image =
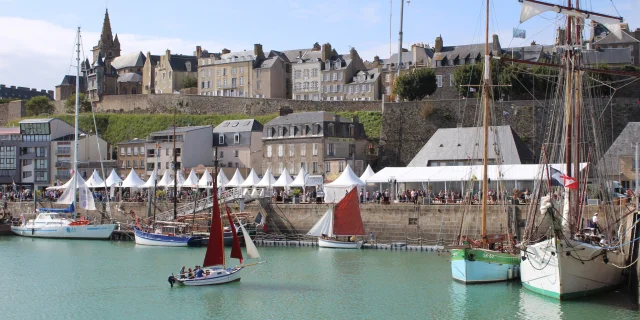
(198, 52)
(257, 50)
(299, 55)
(168, 55)
(495, 46)
(522, 53)
(285, 111)
(376, 61)
(533, 43)
(225, 51)
(353, 53)
(439, 43)
(13, 87)
(2, 86)
(50, 92)
(35, 90)
(316, 47)
(414, 53)
(326, 52)
(42, 91)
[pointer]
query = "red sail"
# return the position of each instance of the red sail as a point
(346, 216)
(236, 252)
(215, 248)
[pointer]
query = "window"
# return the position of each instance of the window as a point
(303, 165)
(241, 70)
(236, 138)
(170, 73)
(334, 76)
(41, 176)
(128, 164)
(340, 166)
(330, 149)
(305, 73)
(122, 164)
(387, 78)
(315, 167)
(303, 149)
(122, 151)
(325, 77)
(340, 76)
(258, 84)
(233, 70)
(242, 81)
(280, 150)
(439, 81)
(178, 152)
(331, 130)
(218, 72)
(41, 152)
(221, 139)
(142, 151)
(135, 164)
(268, 151)
(327, 166)
(236, 153)
(135, 151)
(258, 74)
(315, 149)
(221, 154)
(351, 131)
(128, 151)
(224, 71)
(314, 72)
(339, 88)
(297, 74)
(292, 150)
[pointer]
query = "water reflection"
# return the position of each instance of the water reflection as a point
(536, 306)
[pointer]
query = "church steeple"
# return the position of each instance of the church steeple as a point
(106, 37)
(107, 45)
(116, 42)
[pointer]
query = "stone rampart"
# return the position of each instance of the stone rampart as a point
(12, 110)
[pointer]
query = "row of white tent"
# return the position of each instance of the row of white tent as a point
(206, 181)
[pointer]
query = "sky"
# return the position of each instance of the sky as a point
(37, 38)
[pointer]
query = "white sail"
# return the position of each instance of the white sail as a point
(69, 194)
(252, 251)
(86, 198)
(323, 226)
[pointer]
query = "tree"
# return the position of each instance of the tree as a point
(467, 79)
(189, 82)
(39, 105)
(416, 85)
(70, 104)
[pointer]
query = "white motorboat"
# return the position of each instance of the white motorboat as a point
(53, 225)
(330, 243)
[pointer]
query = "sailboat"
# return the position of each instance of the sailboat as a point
(342, 220)
(214, 268)
(569, 262)
(53, 223)
(480, 264)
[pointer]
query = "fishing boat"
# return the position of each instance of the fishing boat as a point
(479, 262)
(53, 222)
(214, 269)
(570, 262)
(342, 220)
(167, 234)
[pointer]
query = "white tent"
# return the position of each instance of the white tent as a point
(132, 181)
(152, 180)
(252, 180)
(367, 174)
(284, 180)
(113, 179)
(300, 180)
(335, 191)
(222, 180)
(166, 179)
(236, 181)
(180, 180)
(68, 183)
(206, 181)
(267, 180)
(95, 181)
(192, 180)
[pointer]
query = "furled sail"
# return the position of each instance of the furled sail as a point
(347, 220)
(323, 226)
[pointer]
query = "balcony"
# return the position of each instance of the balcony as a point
(63, 151)
(63, 164)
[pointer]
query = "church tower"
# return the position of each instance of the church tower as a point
(108, 46)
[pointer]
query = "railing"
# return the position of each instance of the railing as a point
(202, 204)
(63, 151)
(63, 164)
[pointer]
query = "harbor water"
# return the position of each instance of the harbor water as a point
(60, 279)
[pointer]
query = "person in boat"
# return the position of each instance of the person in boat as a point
(182, 273)
(190, 274)
(596, 227)
(199, 273)
(324, 236)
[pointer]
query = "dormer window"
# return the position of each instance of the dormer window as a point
(270, 132)
(318, 128)
(327, 65)
(337, 65)
(331, 130)
(236, 138)
(292, 131)
(188, 66)
(221, 139)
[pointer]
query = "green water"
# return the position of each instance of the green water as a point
(58, 279)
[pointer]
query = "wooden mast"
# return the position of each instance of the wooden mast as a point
(577, 106)
(568, 97)
(485, 93)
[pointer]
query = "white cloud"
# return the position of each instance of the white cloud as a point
(38, 54)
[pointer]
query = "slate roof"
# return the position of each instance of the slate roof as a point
(243, 125)
(461, 144)
(311, 56)
(130, 77)
(71, 80)
(178, 130)
(533, 53)
(179, 63)
(461, 52)
(305, 117)
(608, 55)
(129, 60)
(247, 55)
(624, 145)
(268, 63)
(290, 56)
(612, 39)
(372, 76)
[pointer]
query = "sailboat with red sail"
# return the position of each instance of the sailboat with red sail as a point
(342, 220)
(214, 268)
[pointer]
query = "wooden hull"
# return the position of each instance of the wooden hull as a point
(324, 243)
(152, 239)
(217, 276)
(472, 265)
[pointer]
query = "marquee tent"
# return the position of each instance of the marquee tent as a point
(267, 180)
(252, 180)
(206, 181)
(300, 180)
(132, 181)
(95, 181)
(236, 181)
(151, 182)
(284, 180)
(113, 179)
(336, 190)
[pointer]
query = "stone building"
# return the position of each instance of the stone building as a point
(337, 71)
(101, 76)
(149, 73)
(290, 59)
(193, 148)
(132, 155)
(630, 39)
(319, 142)
(419, 56)
(67, 87)
(307, 76)
(171, 70)
(129, 70)
(364, 86)
(620, 157)
(23, 93)
(239, 144)
(232, 75)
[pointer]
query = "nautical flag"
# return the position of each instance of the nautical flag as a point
(560, 179)
(472, 89)
(519, 33)
(258, 218)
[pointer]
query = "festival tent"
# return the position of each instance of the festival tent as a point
(206, 181)
(368, 173)
(300, 180)
(95, 181)
(179, 182)
(132, 181)
(222, 180)
(113, 179)
(236, 181)
(284, 180)
(152, 180)
(336, 190)
(68, 183)
(192, 180)
(252, 180)
(166, 180)
(267, 180)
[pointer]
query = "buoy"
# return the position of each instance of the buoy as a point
(510, 273)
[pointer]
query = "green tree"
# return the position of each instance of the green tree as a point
(416, 85)
(70, 104)
(189, 82)
(39, 105)
(467, 79)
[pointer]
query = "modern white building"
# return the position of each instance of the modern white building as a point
(192, 148)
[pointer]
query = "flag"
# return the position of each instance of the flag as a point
(258, 218)
(519, 33)
(472, 89)
(562, 180)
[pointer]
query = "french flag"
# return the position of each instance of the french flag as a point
(562, 180)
